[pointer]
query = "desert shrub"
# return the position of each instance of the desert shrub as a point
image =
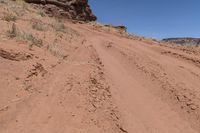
(20, 8)
(41, 13)
(10, 17)
(3, 1)
(59, 27)
(13, 32)
(38, 26)
(32, 39)
(55, 50)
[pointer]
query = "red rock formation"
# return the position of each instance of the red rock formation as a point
(72, 9)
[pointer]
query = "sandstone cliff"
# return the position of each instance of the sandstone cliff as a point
(72, 9)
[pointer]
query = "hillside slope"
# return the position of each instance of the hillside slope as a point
(58, 76)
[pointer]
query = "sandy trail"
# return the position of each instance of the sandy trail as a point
(148, 114)
(95, 79)
(143, 110)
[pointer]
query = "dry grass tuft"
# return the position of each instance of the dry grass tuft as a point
(13, 32)
(41, 13)
(10, 17)
(34, 41)
(38, 26)
(60, 27)
(3, 1)
(55, 50)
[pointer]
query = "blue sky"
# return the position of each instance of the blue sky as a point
(151, 18)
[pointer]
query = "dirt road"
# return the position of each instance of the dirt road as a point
(88, 78)
(144, 111)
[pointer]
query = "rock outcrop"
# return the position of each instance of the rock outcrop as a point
(120, 28)
(72, 9)
(183, 41)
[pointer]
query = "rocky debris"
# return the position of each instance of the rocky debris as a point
(193, 60)
(38, 69)
(71, 9)
(14, 56)
(121, 28)
(183, 41)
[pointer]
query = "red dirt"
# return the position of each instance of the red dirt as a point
(89, 79)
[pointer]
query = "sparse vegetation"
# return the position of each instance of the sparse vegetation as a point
(197, 45)
(38, 26)
(41, 13)
(2, 1)
(33, 39)
(13, 32)
(54, 49)
(10, 17)
(59, 27)
(20, 8)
